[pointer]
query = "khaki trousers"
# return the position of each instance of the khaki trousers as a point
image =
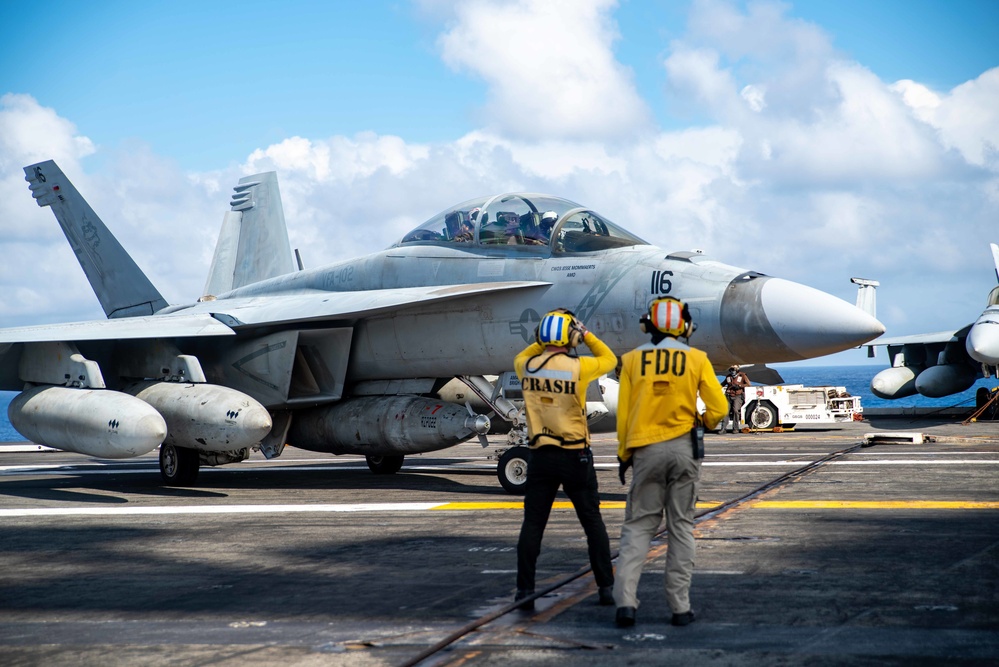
(665, 480)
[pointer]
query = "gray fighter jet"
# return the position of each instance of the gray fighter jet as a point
(939, 364)
(348, 358)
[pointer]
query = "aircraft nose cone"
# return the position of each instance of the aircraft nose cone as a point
(982, 342)
(770, 319)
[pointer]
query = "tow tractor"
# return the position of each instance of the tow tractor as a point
(782, 406)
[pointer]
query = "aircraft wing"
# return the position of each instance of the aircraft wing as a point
(760, 374)
(224, 317)
(150, 326)
(921, 339)
(290, 309)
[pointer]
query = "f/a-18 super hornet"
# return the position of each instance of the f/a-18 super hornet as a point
(944, 363)
(349, 358)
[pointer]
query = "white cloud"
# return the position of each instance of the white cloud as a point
(339, 158)
(36, 275)
(31, 133)
(864, 134)
(549, 67)
(695, 75)
(755, 96)
(967, 117)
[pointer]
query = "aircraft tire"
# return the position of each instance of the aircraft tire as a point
(388, 464)
(761, 416)
(179, 466)
(512, 470)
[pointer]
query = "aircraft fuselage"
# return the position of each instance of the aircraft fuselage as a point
(741, 316)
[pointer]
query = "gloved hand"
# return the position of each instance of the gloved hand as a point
(622, 467)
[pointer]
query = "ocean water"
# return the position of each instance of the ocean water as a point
(7, 432)
(856, 379)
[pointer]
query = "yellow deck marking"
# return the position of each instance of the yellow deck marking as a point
(512, 505)
(757, 504)
(878, 504)
(519, 504)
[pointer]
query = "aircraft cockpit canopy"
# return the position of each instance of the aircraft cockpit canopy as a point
(525, 220)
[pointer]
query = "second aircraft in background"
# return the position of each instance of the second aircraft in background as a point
(943, 363)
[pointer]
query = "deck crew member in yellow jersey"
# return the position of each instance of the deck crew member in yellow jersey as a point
(554, 385)
(656, 413)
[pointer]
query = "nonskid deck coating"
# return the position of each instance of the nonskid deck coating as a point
(857, 563)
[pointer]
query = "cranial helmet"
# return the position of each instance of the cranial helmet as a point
(669, 316)
(559, 328)
(549, 215)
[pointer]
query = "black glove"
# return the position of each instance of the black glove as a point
(622, 467)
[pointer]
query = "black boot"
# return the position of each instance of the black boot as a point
(686, 618)
(524, 593)
(625, 617)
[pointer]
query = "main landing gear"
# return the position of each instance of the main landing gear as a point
(388, 464)
(179, 466)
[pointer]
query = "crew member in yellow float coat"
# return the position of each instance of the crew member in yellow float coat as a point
(554, 385)
(656, 413)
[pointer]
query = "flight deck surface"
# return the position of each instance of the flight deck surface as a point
(887, 554)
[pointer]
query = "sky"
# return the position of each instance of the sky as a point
(815, 141)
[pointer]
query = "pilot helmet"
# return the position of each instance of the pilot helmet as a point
(667, 315)
(548, 219)
(559, 328)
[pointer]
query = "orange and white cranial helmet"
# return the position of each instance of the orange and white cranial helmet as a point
(670, 316)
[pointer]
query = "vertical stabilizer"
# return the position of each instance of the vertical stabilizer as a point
(995, 257)
(253, 243)
(120, 285)
(867, 295)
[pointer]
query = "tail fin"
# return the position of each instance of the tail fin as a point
(995, 257)
(867, 296)
(253, 243)
(120, 285)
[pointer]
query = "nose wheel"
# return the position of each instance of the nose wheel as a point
(512, 470)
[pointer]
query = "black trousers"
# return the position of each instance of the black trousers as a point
(548, 468)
